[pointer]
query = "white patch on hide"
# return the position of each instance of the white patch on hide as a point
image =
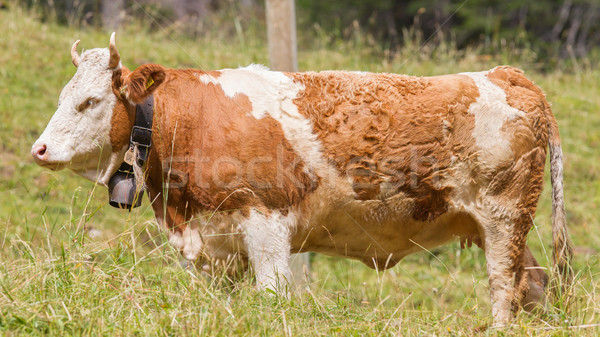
(267, 239)
(206, 79)
(491, 111)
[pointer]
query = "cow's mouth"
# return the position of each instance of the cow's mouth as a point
(53, 166)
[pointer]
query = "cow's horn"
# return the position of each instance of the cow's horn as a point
(113, 63)
(74, 56)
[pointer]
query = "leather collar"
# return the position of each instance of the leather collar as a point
(141, 133)
(122, 186)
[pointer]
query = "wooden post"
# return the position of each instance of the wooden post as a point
(112, 13)
(281, 34)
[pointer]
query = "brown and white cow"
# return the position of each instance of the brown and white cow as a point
(260, 164)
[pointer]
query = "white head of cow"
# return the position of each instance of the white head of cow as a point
(77, 136)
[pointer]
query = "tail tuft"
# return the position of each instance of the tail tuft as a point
(563, 251)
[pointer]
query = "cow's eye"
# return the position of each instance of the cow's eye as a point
(86, 104)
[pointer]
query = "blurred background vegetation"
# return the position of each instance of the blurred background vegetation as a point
(549, 30)
(72, 265)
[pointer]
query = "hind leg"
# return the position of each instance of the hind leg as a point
(501, 278)
(537, 279)
(504, 243)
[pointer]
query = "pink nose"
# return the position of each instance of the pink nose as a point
(39, 153)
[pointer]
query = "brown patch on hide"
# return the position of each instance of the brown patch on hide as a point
(169, 205)
(392, 133)
(123, 115)
(211, 154)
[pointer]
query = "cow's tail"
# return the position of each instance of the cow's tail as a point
(561, 243)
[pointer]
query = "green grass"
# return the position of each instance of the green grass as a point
(58, 279)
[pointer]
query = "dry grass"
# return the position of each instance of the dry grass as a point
(71, 265)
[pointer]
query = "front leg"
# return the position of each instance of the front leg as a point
(267, 239)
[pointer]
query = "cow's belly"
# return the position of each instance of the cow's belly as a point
(333, 222)
(377, 232)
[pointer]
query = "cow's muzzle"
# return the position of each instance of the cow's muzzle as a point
(40, 155)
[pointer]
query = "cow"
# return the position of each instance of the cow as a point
(257, 164)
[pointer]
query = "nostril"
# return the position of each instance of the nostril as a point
(41, 151)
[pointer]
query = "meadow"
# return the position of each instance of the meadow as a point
(72, 265)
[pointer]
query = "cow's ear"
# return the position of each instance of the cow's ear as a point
(140, 83)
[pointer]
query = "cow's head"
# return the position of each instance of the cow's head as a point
(89, 132)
